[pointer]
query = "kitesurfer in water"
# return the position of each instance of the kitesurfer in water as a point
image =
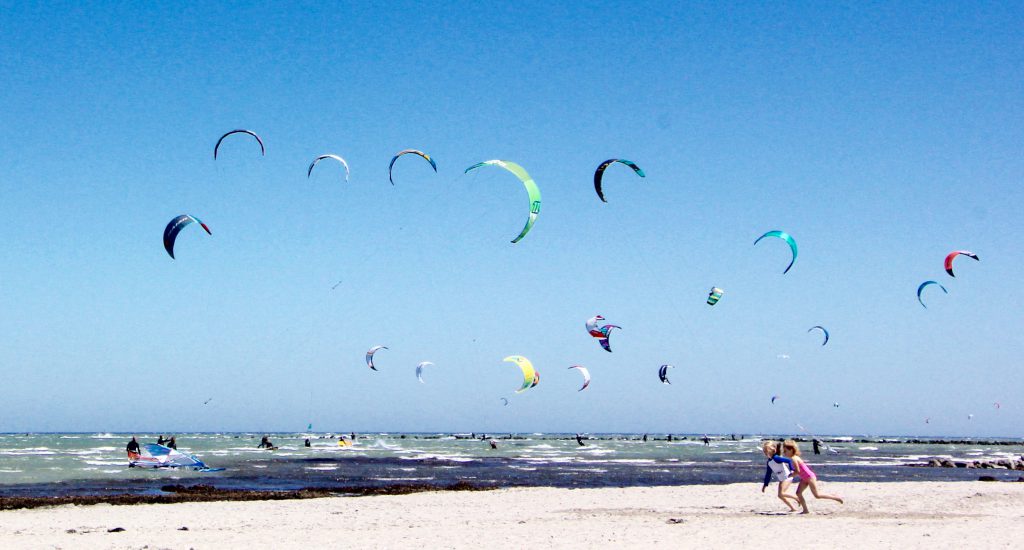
(160, 440)
(645, 438)
(494, 445)
(133, 447)
(707, 442)
(579, 440)
(171, 443)
(265, 443)
(308, 444)
(817, 449)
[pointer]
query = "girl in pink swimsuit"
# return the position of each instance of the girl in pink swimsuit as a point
(807, 476)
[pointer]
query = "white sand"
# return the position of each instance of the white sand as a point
(876, 515)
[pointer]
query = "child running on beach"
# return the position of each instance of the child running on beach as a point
(807, 476)
(782, 468)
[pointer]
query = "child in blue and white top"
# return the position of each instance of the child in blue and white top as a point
(782, 468)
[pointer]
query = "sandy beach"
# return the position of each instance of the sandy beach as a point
(876, 515)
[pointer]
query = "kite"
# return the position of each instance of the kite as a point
(322, 157)
(369, 356)
(602, 333)
(789, 240)
(921, 288)
(774, 397)
(419, 370)
(505, 400)
(663, 374)
(175, 226)
(822, 329)
(250, 132)
(415, 152)
(715, 296)
(530, 377)
(954, 254)
(586, 376)
(599, 174)
(531, 188)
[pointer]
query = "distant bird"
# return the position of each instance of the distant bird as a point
(336, 285)
(207, 401)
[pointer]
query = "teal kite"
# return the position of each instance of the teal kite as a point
(789, 240)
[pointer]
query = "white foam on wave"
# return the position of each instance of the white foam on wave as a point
(867, 448)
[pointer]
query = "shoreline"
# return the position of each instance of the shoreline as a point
(894, 515)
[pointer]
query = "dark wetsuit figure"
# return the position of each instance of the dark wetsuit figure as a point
(579, 440)
(265, 443)
(133, 446)
(171, 443)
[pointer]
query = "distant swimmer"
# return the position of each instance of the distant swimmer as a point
(133, 448)
(579, 440)
(494, 445)
(707, 442)
(308, 444)
(171, 443)
(265, 443)
(645, 438)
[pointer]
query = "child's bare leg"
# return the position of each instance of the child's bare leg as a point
(800, 496)
(814, 491)
(783, 485)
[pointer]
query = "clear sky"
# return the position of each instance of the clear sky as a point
(881, 136)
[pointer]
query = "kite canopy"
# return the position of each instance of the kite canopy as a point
(530, 376)
(263, 151)
(599, 174)
(789, 240)
(822, 329)
(419, 370)
(601, 332)
(586, 376)
(922, 287)
(369, 355)
(774, 397)
(715, 295)
(954, 254)
(531, 188)
(322, 157)
(175, 226)
(663, 373)
(505, 400)
(406, 152)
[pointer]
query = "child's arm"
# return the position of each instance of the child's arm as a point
(767, 477)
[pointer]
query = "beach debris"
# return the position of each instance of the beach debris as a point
(263, 151)
(530, 376)
(183, 528)
(923, 286)
(116, 530)
(322, 157)
(663, 373)
(586, 376)
(823, 331)
(175, 226)
(675, 521)
(715, 295)
(786, 237)
(601, 332)
(419, 370)
(948, 264)
(406, 152)
(531, 189)
(369, 356)
(599, 174)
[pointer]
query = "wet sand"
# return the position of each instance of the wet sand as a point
(876, 515)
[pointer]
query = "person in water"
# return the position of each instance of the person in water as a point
(645, 438)
(494, 444)
(707, 442)
(133, 447)
(579, 440)
(782, 468)
(817, 446)
(265, 443)
(308, 444)
(807, 476)
(160, 440)
(171, 443)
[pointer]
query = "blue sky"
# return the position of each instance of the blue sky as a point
(880, 136)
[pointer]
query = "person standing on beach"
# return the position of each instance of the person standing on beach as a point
(807, 476)
(782, 468)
